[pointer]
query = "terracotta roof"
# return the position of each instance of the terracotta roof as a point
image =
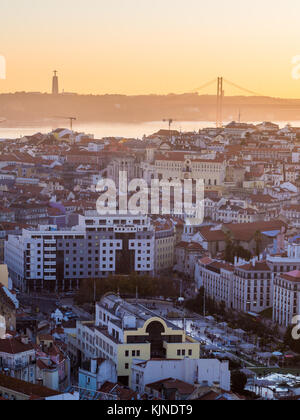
(123, 393)
(14, 346)
(212, 235)
(190, 246)
(26, 388)
(246, 231)
(182, 387)
(293, 276)
(259, 266)
(221, 265)
(206, 261)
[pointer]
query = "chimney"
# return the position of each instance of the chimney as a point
(25, 339)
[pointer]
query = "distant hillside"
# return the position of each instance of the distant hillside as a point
(35, 107)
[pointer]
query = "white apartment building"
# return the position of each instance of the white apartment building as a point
(292, 213)
(286, 298)
(253, 287)
(202, 372)
(228, 213)
(18, 359)
(217, 279)
(57, 260)
(246, 288)
(283, 264)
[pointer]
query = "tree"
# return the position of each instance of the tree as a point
(127, 286)
(229, 255)
(258, 242)
(238, 381)
(290, 342)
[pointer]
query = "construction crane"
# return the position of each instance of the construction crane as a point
(170, 122)
(71, 119)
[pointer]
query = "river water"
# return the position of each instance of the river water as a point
(99, 130)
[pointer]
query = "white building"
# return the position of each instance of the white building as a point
(286, 298)
(18, 359)
(246, 288)
(253, 287)
(204, 372)
(283, 264)
(217, 279)
(55, 260)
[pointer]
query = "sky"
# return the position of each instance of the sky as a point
(150, 46)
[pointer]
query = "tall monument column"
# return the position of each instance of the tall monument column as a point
(55, 84)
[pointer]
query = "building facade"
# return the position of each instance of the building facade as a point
(57, 260)
(286, 298)
(202, 372)
(253, 287)
(123, 332)
(18, 359)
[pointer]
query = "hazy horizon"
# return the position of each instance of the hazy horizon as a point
(142, 47)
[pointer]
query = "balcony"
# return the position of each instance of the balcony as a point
(16, 366)
(50, 277)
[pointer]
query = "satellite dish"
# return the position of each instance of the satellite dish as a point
(2, 327)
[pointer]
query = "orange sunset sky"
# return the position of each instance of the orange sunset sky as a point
(150, 46)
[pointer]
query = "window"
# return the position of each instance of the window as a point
(126, 353)
(126, 366)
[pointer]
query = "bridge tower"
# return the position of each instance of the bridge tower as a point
(220, 97)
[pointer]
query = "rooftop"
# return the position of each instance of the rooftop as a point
(293, 276)
(25, 388)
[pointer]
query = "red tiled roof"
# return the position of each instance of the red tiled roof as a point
(212, 235)
(182, 387)
(26, 388)
(259, 266)
(123, 393)
(190, 246)
(14, 346)
(293, 276)
(246, 231)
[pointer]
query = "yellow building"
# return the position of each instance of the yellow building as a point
(175, 165)
(4, 275)
(124, 332)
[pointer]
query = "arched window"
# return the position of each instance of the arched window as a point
(155, 330)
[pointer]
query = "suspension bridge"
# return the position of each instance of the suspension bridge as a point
(220, 82)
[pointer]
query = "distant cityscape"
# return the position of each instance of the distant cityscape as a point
(150, 307)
